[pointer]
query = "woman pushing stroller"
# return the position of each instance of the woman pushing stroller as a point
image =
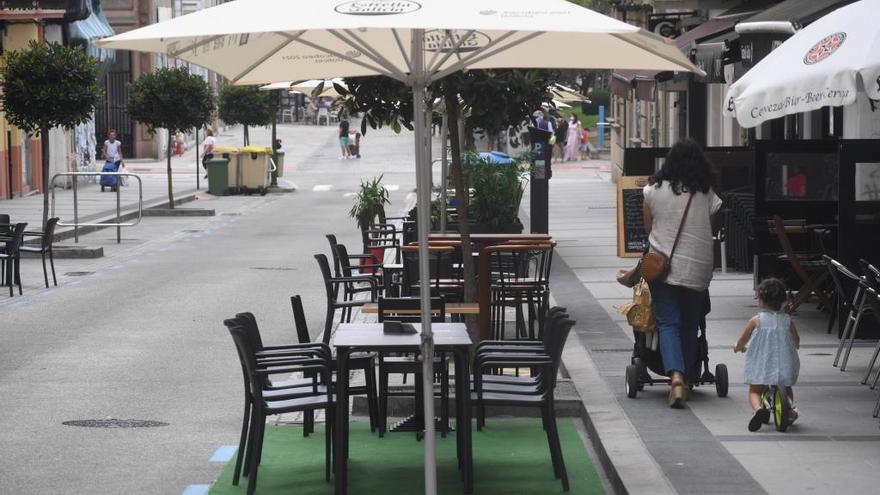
(679, 211)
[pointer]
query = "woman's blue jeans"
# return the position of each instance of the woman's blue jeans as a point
(678, 311)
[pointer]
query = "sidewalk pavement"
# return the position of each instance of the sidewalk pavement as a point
(648, 447)
(96, 206)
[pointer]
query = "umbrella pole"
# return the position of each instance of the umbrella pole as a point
(444, 170)
(423, 193)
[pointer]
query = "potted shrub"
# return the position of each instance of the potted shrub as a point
(369, 208)
(496, 191)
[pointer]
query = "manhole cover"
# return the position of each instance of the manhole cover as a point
(114, 423)
(819, 354)
(274, 268)
(230, 214)
(193, 231)
(78, 274)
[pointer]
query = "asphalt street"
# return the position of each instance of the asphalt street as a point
(138, 334)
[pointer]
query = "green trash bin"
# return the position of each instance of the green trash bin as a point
(218, 176)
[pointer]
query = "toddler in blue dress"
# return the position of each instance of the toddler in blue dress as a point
(770, 341)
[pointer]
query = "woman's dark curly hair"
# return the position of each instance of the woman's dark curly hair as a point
(686, 168)
(772, 291)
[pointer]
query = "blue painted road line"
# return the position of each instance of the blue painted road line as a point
(224, 453)
(196, 490)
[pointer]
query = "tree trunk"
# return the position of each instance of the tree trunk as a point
(168, 154)
(247, 139)
(44, 155)
(462, 197)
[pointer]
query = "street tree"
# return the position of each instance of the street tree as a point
(174, 100)
(245, 105)
(48, 85)
(492, 101)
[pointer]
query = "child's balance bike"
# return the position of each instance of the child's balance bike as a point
(777, 402)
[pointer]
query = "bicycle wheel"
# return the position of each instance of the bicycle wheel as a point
(781, 408)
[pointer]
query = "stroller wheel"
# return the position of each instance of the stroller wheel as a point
(721, 380)
(632, 381)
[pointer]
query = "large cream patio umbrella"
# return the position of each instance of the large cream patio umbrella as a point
(824, 64)
(414, 41)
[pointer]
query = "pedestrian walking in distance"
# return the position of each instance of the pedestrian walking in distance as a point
(343, 137)
(208, 148)
(770, 341)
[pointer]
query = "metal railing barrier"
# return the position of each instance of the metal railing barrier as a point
(118, 224)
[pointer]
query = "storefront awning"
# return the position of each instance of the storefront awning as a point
(624, 80)
(93, 28)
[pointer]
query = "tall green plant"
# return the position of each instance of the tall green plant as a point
(245, 105)
(45, 86)
(171, 99)
(369, 203)
(497, 190)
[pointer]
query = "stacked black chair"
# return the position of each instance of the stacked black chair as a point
(407, 310)
(521, 275)
(361, 362)
(263, 398)
(10, 257)
(536, 392)
(47, 236)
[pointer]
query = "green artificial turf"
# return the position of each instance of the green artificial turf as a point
(510, 457)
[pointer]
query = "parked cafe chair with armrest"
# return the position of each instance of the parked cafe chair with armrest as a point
(10, 257)
(543, 365)
(257, 374)
(358, 362)
(47, 236)
(332, 287)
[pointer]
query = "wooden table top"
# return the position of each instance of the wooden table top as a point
(372, 335)
(451, 308)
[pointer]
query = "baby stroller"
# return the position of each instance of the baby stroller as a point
(109, 180)
(645, 357)
(354, 149)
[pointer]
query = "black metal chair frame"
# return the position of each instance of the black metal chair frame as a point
(332, 285)
(852, 303)
(263, 400)
(47, 237)
(871, 280)
(10, 258)
(544, 367)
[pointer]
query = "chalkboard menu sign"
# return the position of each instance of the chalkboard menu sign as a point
(631, 236)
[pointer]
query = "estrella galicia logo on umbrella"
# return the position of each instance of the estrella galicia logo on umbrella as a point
(378, 7)
(437, 40)
(824, 48)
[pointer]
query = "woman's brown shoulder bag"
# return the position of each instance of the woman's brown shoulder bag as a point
(655, 265)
